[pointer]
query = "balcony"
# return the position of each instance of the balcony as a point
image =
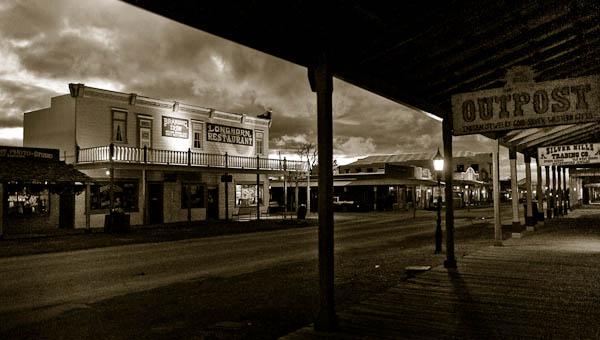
(128, 154)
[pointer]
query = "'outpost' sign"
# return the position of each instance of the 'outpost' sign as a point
(557, 102)
(175, 127)
(569, 154)
(228, 134)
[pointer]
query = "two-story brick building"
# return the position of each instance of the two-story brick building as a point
(160, 161)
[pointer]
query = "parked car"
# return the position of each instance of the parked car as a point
(347, 205)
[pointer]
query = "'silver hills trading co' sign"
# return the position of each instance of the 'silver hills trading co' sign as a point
(526, 105)
(576, 154)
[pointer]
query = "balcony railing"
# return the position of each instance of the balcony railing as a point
(128, 154)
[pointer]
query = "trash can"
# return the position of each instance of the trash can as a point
(301, 214)
(117, 222)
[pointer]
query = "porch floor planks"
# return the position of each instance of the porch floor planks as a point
(531, 288)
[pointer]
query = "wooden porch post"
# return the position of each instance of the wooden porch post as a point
(529, 218)
(548, 194)
(539, 193)
(496, 193)
(87, 206)
(512, 156)
(322, 80)
(565, 195)
(450, 261)
(554, 191)
(257, 187)
(559, 192)
(1, 209)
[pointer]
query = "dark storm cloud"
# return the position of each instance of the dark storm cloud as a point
(114, 45)
(15, 99)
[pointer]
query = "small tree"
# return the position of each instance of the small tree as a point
(310, 152)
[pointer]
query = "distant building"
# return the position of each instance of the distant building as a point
(168, 158)
(400, 182)
(37, 190)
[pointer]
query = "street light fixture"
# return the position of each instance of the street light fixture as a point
(438, 166)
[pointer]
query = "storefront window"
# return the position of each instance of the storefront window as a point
(27, 200)
(197, 135)
(245, 194)
(196, 195)
(125, 196)
(119, 125)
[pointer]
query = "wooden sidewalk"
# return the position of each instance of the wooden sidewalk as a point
(543, 286)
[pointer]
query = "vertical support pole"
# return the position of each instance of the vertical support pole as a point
(189, 157)
(559, 192)
(438, 221)
(548, 194)
(1, 209)
(188, 196)
(529, 218)
(144, 198)
(565, 191)
(226, 189)
(450, 261)
(496, 193)
(323, 84)
(87, 206)
(539, 193)
(512, 156)
(296, 193)
(554, 191)
(375, 198)
(145, 154)
(414, 199)
(112, 183)
(308, 191)
(257, 187)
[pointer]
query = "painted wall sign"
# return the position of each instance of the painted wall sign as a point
(228, 134)
(527, 105)
(569, 154)
(35, 153)
(175, 127)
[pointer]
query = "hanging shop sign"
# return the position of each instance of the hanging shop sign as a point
(527, 105)
(175, 127)
(228, 134)
(30, 153)
(576, 154)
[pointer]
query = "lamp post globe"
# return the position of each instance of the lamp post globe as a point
(438, 166)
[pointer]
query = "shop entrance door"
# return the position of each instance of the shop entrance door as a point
(212, 208)
(155, 203)
(66, 210)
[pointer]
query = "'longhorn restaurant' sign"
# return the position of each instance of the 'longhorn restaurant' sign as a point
(569, 154)
(557, 102)
(228, 134)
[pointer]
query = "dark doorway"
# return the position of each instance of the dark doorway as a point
(212, 208)
(66, 212)
(155, 203)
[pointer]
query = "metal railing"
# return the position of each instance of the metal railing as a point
(128, 154)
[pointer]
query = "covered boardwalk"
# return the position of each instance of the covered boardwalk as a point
(423, 54)
(541, 287)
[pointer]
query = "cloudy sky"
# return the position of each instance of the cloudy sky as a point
(46, 45)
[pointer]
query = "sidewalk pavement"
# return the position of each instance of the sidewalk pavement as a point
(543, 286)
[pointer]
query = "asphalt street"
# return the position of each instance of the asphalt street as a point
(37, 287)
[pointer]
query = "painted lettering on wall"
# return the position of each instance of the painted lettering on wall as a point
(557, 102)
(18, 152)
(228, 134)
(175, 127)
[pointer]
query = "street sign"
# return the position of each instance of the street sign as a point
(576, 154)
(527, 105)
(226, 178)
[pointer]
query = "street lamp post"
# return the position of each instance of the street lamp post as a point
(438, 165)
